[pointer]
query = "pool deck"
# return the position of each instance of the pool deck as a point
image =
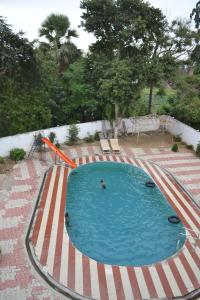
(62, 264)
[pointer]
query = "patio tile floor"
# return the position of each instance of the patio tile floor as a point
(18, 279)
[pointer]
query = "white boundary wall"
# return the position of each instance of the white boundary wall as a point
(25, 140)
(189, 135)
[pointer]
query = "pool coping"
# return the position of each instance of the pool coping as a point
(176, 180)
(30, 249)
(34, 261)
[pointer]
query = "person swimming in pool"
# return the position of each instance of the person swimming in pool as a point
(103, 184)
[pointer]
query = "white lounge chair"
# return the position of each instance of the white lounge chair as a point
(115, 146)
(105, 146)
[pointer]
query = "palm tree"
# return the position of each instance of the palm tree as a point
(58, 34)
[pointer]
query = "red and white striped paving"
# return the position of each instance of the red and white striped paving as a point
(18, 279)
(184, 165)
(71, 269)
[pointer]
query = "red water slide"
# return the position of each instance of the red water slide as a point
(59, 153)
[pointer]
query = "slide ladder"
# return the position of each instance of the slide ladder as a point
(59, 153)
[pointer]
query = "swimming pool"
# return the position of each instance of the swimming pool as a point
(124, 224)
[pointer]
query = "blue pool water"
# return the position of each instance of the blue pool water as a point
(124, 224)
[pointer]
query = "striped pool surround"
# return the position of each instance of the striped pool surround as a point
(72, 271)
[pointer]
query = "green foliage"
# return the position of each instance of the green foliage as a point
(52, 137)
(174, 148)
(124, 30)
(57, 144)
(23, 101)
(82, 105)
(19, 116)
(196, 15)
(2, 161)
(73, 134)
(190, 147)
(177, 138)
(56, 30)
(118, 89)
(17, 58)
(174, 42)
(17, 154)
(52, 84)
(96, 136)
(90, 138)
(123, 26)
(161, 91)
(198, 149)
(185, 105)
(160, 102)
(38, 141)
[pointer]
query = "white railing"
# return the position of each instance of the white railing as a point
(133, 125)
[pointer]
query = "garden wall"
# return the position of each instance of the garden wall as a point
(143, 124)
(187, 134)
(25, 140)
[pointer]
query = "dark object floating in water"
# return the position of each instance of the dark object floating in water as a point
(150, 184)
(174, 219)
(73, 173)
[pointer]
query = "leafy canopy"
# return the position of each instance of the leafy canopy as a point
(56, 29)
(196, 15)
(17, 56)
(125, 26)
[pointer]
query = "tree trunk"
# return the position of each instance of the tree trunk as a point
(116, 120)
(150, 97)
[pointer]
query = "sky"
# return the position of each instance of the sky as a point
(28, 15)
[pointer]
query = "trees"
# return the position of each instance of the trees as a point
(128, 29)
(22, 101)
(135, 30)
(22, 112)
(118, 89)
(17, 56)
(121, 26)
(69, 96)
(185, 104)
(195, 56)
(195, 14)
(175, 42)
(81, 101)
(58, 34)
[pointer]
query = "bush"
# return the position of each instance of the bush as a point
(52, 137)
(57, 144)
(73, 134)
(175, 148)
(198, 149)
(38, 141)
(177, 138)
(2, 160)
(191, 147)
(17, 154)
(90, 138)
(161, 91)
(96, 136)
